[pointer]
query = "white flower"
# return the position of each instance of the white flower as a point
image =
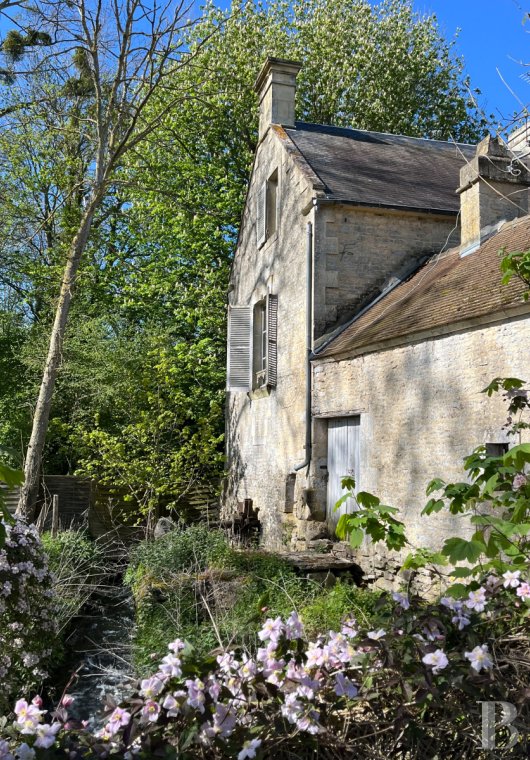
(437, 660)
(24, 752)
(401, 599)
(476, 600)
(479, 658)
(376, 634)
(249, 749)
(511, 579)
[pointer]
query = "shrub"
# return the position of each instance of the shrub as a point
(410, 687)
(28, 622)
(191, 584)
(78, 566)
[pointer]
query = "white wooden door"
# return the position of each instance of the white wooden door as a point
(343, 460)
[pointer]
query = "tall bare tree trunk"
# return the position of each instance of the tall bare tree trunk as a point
(32, 468)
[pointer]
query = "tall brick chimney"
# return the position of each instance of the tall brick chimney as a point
(276, 87)
(493, 188)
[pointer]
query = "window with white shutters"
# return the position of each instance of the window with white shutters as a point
(272, 330)
(239, 348)
(252, 345)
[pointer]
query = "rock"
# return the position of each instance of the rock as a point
(164, 525)
(314, 530)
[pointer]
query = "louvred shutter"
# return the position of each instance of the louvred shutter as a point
(272, 344)
(261, 215)
(239, 348)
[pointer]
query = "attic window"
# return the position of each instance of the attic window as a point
(496, 449)
(267, 209)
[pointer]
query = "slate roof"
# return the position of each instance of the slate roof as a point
(376, 169)
(443, 293)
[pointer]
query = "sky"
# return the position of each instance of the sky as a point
(492, 36)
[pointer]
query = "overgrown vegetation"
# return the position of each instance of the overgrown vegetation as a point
(191, 584)
(78, 566)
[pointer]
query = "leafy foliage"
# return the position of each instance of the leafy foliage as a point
(192, 584)
(408, 688)
(369, 517)
(139, 398)
(516, 264)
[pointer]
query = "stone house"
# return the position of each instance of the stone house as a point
(366, 314)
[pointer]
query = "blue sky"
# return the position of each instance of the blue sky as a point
(492, 36)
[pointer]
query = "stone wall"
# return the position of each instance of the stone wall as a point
(265, 428)
(358, 250)
(422, 412)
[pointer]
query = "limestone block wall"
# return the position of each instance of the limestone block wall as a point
(422, 412)
(265, 430)
(357, 250)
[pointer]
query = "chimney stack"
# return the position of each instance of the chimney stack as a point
(276, 88)
(493, 188)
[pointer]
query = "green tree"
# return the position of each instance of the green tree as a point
(139, 395)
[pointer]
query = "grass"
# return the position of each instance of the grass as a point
(191, 584)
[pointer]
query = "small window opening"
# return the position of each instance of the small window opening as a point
(272, 203)
(496, 449)
(260, 345)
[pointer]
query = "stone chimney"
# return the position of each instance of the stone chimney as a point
(276, 87)
(519, 139)
(493, 188)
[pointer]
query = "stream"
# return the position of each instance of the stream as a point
(100, 651)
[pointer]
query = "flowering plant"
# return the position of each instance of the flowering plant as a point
(27, 626)
(411, 685)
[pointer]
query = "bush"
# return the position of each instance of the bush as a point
(193, 585)
(28, 609)
(408, 688)
(78, 566)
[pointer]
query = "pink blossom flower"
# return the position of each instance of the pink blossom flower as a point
(172, 705)
(401, 599)
(119, 718)
(437, 660)
(46, 735)
(151, 711)
(479, 658)
(151, 687)
(349, 628)
(344, 687)
(176, 646)
(28, 717)
(272, 630)
(196, 696)
(67, 701)
(476, 600)
(519, 481)
(460, 620)
(171, 666)
(294, 628)
(524, 590)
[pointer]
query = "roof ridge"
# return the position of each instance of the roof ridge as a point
(382, 134)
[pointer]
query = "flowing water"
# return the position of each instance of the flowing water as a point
(100, 654)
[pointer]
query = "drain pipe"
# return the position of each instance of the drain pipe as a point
(309, 348)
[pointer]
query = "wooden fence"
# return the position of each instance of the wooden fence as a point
(113, 512)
